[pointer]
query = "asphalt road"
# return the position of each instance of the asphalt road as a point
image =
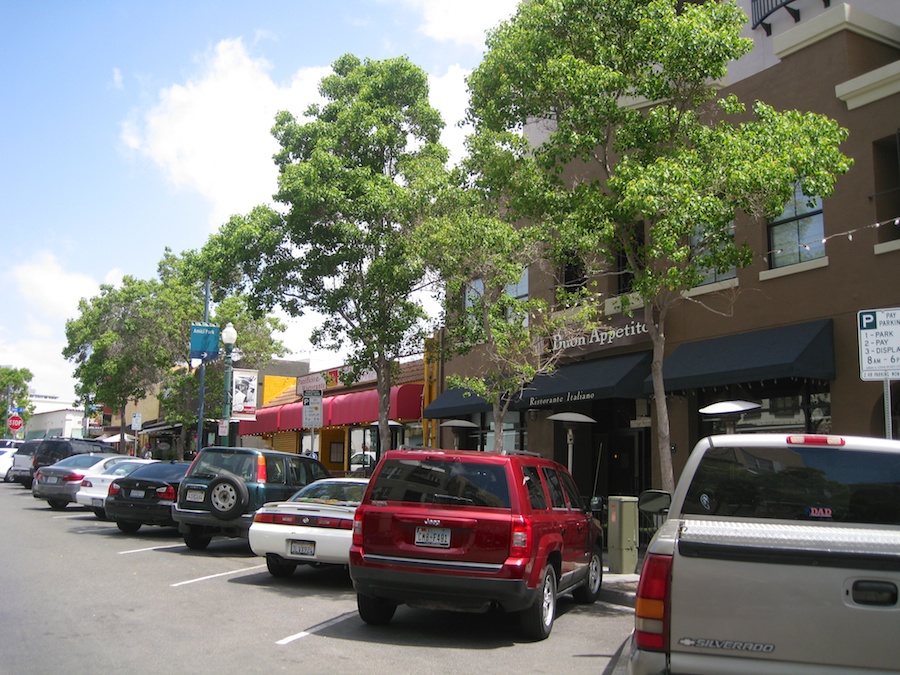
(79, 596)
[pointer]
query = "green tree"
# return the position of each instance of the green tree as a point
(14, 390)
(650, 163)
(355, 180)
(482, 260)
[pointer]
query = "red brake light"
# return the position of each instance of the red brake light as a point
(264, 518)
(86, 483)
(814, 439)
(166, 492)
(114, 489)
(358, 527)
(651, 608)
(261, 469)
(72, 477)
(520, 538)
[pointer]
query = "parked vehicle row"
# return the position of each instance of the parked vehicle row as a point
(434, 529)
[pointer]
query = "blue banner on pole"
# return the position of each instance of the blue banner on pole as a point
(204, 341)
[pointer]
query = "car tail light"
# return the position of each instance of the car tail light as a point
(166, 492)
(72, 477)
(358, 527)
(651, 608)
(520, 538)
(86, 483)
(815, 439)
(38, 475)
(261, 469)
(114, 489)
(304, 521)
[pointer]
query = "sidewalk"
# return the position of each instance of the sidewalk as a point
(620, 589)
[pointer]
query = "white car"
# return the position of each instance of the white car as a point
(95, 487)
(6, 460)
(314, 527)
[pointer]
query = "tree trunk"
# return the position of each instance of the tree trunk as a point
(383, 387)
(656, 326)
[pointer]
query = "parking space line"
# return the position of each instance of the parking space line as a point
(221, 574)
(315, 629)
(151, 548)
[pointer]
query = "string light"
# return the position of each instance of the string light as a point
(847, 233)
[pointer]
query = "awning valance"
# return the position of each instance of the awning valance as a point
(455, 402)
(266, 422)
(803, 350)
(362, 406)
(611, 377)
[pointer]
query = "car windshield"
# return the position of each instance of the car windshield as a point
(162, 471)
(797, 483)
(331, 492)
(431, 481)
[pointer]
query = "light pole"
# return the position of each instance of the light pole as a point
(229, 337)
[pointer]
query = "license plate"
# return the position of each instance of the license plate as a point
(96, 502)
(195, 495)
(438, 537)
(303, 547)
(52, 480)
(137, 494)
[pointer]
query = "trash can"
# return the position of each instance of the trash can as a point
(622, 545)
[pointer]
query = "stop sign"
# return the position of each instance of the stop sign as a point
(14, 422)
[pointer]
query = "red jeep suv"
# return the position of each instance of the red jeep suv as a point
(473, 531)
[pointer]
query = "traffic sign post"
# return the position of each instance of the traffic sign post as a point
(879, 352)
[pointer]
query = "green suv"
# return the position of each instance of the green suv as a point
(225, 486)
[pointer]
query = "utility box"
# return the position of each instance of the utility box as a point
(622, 533)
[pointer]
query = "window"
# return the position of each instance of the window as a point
(712, 276)
(886, 160)
(535, 490)
(555, 488)
(797, 234)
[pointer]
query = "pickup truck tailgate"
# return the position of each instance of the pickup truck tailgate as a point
(786, 593)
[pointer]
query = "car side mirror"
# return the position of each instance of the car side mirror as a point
(656, 502)
(596, 504)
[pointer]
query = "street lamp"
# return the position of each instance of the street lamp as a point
(229, 337)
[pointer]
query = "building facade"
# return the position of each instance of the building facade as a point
(786, 337)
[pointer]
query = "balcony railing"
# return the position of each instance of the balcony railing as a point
(762, 9)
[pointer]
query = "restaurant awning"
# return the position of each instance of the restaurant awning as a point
(611, 377)
(362, 406)
(455, 402)
(266, 422)
(803, 350)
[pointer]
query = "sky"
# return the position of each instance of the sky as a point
(129, 126)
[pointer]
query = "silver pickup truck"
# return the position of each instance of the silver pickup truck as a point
(778, 554)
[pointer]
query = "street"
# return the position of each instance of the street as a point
(80, 596)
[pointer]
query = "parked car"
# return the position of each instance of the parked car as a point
(21, 471)
(6, 461)
(58, 483)
(362, 461)
(225, 486)
(51, 450)
(94, 488)
(473, 531)
(313, 527)
(145, 496)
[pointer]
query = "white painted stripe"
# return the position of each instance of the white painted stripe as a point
(151, 548)
(315, 629)
(213, 576)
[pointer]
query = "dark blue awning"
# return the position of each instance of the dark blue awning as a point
(455, 403)
(802, 351)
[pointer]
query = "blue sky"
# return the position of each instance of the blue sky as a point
(128, 126)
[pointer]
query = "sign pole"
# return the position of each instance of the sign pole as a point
(888, 422)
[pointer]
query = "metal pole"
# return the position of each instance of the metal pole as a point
(200, 420)
(888, 422)
(226, 408)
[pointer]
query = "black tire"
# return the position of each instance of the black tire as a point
(195, 540)
(128, 527)
(537, 621)
(228, 497)
(375, 611)
(279, 567)
(57, 505)
(100, 513)
(27, 483)
(589, 591)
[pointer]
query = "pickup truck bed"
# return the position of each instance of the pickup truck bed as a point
(777, 556)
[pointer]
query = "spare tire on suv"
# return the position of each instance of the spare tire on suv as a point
(474, 531)
(225, 486)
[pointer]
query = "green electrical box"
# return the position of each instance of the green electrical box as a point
(622, 544)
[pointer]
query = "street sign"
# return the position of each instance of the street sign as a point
(312, 408)
(14, 422)
(879, 344)
(136, 421)
(204, 341)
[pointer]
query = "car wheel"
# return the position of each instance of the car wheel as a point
(101, 514)
(588, 592)
(8, 478)
(537, 620)
(375, 611)
(57, 505)
(27, 484)
(228, 497)
(195, 540)
(127, 527)
(279, 567)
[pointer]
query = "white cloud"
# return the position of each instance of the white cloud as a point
(449, 95)
(464, 22)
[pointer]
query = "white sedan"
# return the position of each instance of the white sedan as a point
(95, 487)
(313, 527)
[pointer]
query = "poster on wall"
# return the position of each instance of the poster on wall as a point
(243, 394)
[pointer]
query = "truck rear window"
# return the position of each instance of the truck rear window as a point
(797, 483)
(429, 481)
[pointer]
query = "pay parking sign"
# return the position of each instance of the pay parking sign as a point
(879, 344)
